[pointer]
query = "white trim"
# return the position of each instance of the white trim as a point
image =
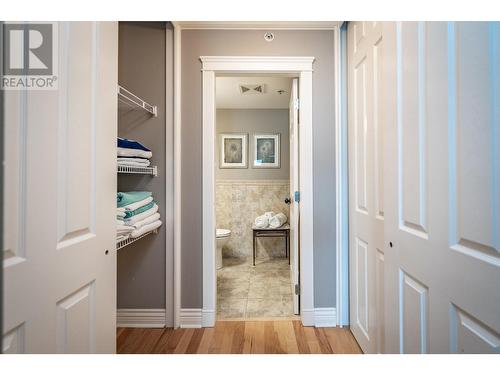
(143, 318)
(259, 25)
(251, 64)
(177, 175)
(190, 318)
(342, 251)
(325, 317)
(319, 317)
(208, 318)
(301, 67)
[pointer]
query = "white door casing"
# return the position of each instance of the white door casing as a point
(60, 191)
(442, 187)
(301, 67)
(294, 187)
(366, 184)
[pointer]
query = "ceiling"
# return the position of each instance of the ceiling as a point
(229, 95)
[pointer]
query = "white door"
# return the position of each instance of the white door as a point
(294, 187)
(366, 184)
(60, 191)
(442, 187)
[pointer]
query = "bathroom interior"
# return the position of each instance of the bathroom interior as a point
(252, 198)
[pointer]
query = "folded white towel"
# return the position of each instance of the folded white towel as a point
(146, 228)
(133, 152)
(120, 222)
(123, 229)
(122, 237)
(120, 209)
(135, 160)
(136, 205)
(136, 218)
(120, 215)
(133, 163)
(146, 221)
(277, 220)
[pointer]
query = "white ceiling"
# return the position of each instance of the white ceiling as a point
(228, 94)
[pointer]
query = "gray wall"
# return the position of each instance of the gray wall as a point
(142, 70)
(254, 121)
(320, 44)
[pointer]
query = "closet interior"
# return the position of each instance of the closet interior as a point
(144, 168)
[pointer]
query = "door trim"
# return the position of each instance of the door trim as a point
(296, 66)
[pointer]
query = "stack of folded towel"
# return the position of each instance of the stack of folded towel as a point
(136, 214)
(270, 220)
(133, 154)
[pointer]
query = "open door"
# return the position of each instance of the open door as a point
(59, 253)
(294, 189)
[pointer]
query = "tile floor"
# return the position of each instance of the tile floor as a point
(247, 292)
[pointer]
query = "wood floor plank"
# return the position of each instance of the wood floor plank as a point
(232, 337)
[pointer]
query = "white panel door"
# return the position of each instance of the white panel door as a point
(366, 184)
(60, 188)
(294, 187)
(442, 187)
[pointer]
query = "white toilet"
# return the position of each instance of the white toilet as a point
(222, 236)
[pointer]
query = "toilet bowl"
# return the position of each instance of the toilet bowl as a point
(221, 236)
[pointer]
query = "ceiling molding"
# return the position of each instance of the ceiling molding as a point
(257, 63)
(257, 25)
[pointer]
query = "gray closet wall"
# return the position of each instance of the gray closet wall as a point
(142, 63)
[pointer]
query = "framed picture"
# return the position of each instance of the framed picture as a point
(233, 150)
(266, 151)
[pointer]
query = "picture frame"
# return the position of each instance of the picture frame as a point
(233, 150)
(267, 151)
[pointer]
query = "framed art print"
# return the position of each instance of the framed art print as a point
(266, 151)
(233, 150)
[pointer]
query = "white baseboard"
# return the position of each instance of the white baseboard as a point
(319, 317)
(197, 318)
(143, 318)
(190, 318)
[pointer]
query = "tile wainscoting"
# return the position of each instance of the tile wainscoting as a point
(238, 203)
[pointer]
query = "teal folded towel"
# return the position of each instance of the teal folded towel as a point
(123, 199)
(129, 214)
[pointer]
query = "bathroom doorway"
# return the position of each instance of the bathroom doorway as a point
(255, 201)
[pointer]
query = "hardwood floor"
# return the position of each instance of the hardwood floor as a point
(238, 337)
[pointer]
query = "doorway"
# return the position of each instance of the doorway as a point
(293, 67)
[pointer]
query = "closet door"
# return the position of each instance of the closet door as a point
(442, 187)
(60, 194)
(366, 184)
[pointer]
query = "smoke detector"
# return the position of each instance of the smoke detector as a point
(246, 89)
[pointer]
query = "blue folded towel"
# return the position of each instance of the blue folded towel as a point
(126, 198)
(127, 143)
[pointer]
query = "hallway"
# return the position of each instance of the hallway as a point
(242, 337)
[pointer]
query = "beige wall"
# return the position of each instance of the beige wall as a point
(320, 44)
(254, 121)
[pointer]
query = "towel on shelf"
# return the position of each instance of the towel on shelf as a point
(139, 210)
(146, 228)
(277, 220)
(146, 221)
(143, 215)
(131, 144)
(120, 222)
(136, 205)
(123, 229)
(133, 162)
(262, 221)
(128, 152)
(120, 215)
(122, 238)
(125, 198)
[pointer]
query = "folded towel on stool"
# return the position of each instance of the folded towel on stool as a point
(277, 220)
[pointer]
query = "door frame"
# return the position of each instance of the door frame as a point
(300, 67)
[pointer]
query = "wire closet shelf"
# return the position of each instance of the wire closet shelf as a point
(151, 171)
(128, 241)
(127, 100)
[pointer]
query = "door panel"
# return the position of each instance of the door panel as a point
(60, 185)
(366, 181)
(441, 187)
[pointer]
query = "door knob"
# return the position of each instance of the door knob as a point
(288, 200)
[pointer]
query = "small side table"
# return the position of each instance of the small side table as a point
(283, 231)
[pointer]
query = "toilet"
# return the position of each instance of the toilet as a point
(221, 236)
